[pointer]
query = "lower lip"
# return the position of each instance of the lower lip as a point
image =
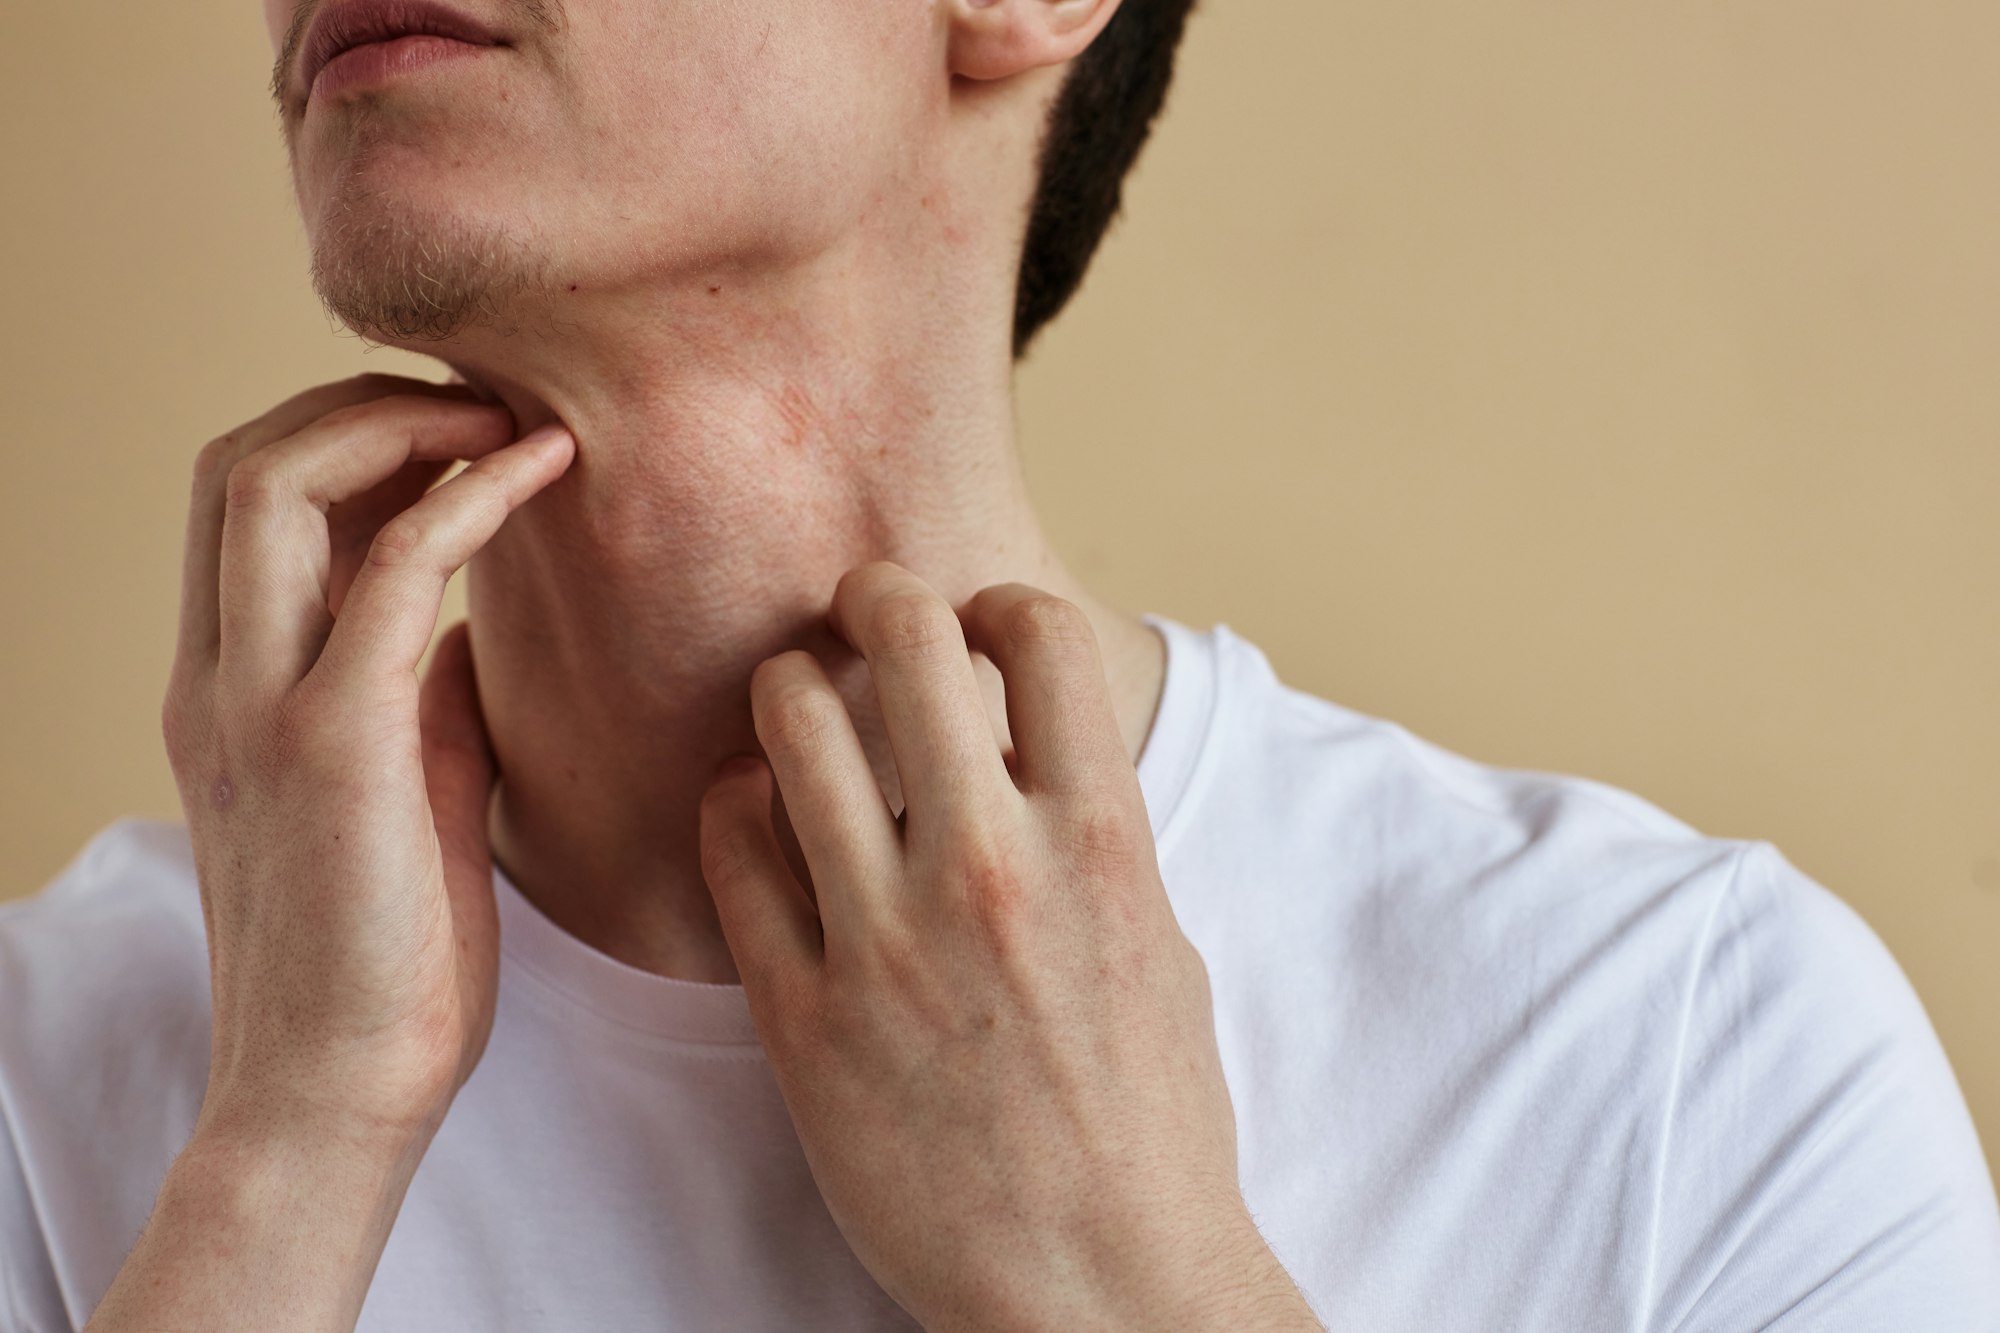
(379, 62)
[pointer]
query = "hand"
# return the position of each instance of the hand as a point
(996, 1044)
(337, 812)
(336, 809)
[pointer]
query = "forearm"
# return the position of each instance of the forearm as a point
(261, 1230)
(1222, 1279)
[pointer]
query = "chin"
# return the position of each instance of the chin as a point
(406, 265)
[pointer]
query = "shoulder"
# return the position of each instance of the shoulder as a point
(105, 1021)
(108, 962)
(1285, 735)
(1382, 820)
(121, 923)
(105, 977)
(1821, 1166)
(104, 1040)
(128, 863)
(1772, 1084)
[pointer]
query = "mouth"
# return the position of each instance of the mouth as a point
(362, 38)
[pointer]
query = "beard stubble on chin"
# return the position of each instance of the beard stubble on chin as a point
(391, 272)
(394, 272)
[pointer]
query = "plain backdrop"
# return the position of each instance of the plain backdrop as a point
(1605, 389)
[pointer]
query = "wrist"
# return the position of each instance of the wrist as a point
(375, 1096)
(348, 1178)
(1229, 1280)
(262, 1224)
(325, 1116)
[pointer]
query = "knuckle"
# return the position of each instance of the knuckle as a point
(251, 482)
(484, 491)
(396, 543)
(912, 625)
(1102, 837)
(800, 721)
(992, 887)
(1045, 619)
(215, 458)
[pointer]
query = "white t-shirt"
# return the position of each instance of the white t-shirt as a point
(1508, 1050)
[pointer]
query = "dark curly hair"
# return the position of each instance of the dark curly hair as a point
(1099, 122)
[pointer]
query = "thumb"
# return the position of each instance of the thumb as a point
(459, 767)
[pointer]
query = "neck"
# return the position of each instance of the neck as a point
(728, 471)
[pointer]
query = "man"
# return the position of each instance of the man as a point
(1030, 965)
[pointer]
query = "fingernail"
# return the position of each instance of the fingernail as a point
(555, 430)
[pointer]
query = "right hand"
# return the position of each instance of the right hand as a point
(337, 808)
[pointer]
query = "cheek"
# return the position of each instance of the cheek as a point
(817, 101)
(773, 122)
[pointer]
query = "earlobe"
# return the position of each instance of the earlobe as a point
(996, 39)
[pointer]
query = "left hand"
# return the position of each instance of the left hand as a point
(996, 1044)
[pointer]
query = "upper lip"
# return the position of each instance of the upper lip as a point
(344, 24)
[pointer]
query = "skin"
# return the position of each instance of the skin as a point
(778, 515)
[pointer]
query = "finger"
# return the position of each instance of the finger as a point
(1059, 710)
(352, 524)
(276, 542)
(947, 760)
(772, 930)
(844, 827)
(392, 609)
(200, 637)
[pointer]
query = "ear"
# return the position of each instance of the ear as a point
(995, 39)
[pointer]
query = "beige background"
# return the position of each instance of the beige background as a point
(1608, 389)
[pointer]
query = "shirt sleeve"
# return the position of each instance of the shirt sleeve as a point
(30, 1301)
(1820, 1168)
